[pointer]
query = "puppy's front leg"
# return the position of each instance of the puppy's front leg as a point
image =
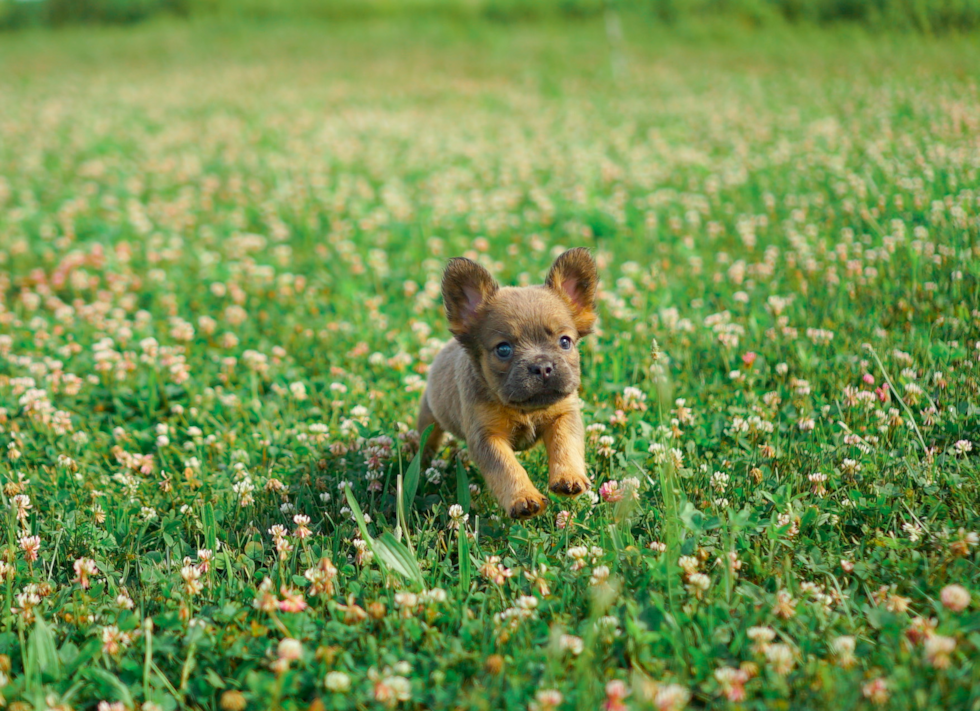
(565, 441)
(506, 477)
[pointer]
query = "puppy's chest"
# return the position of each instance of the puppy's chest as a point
(525, 435)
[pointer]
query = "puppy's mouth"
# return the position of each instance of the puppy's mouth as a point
(539, 400)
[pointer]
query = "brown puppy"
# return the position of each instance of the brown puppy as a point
(510, 378)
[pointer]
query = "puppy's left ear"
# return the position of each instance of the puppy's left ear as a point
(574, 277)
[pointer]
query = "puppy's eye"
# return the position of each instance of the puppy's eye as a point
(504, 351)
(565, 342)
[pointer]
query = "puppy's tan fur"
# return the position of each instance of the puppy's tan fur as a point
(500, 405)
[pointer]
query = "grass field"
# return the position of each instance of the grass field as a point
(220, 254)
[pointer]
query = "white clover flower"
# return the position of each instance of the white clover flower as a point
(337, 682)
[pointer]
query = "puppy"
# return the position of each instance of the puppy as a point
(510, 377)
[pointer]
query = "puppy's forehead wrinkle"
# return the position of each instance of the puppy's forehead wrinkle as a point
(526, 314)
(506, 335)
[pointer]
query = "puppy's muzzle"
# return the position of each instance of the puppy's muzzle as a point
(542, 368)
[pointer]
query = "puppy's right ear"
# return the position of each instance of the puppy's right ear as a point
(466, 288)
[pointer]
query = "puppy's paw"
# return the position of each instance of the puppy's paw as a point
(570, 485)
(527, 505)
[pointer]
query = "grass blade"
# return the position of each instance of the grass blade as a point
(392, 554)
(43, 649)
(397, 557)
(411, 482)
(462, 487)
(358, 514)
(465, 564)
(210, 528)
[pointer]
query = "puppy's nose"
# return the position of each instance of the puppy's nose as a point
(542, 368)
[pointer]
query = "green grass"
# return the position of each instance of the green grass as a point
(220, 250)
(926, 17)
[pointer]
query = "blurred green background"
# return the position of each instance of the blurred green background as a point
(922, 16)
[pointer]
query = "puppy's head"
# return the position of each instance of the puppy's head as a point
(523, 340)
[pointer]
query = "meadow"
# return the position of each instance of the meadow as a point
(220, 255)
